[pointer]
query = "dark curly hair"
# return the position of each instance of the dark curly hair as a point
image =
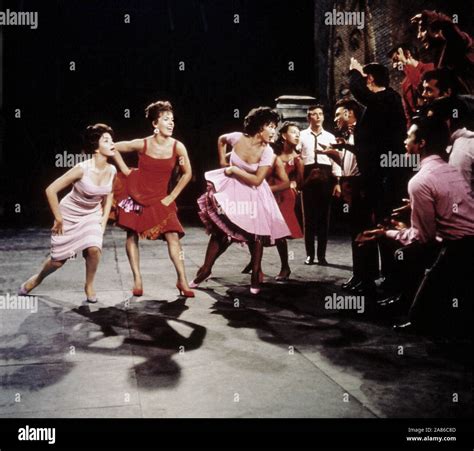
(316, 106)
(380, 74)
(352, 105)
(155, 109)
(444, 78)
(92, 135)
(435, 132)
(257, 118)
(278, 146)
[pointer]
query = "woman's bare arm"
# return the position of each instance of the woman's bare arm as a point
(107, 205)
(121, 164)
(53, 189)
(135, 145)
(247, 178)
(282, 176)
(221, 151)
(186, 171)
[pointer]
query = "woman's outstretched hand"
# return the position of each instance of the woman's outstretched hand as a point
(167, 201)
(57, 228)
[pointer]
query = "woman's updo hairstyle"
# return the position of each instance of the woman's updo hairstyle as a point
(280, 142)
(92, 136)
(155, 109)
(258, 118)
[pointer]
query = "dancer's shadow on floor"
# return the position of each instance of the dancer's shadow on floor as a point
(294, 314)
(155, 333)
(293, 304)
(148, 329)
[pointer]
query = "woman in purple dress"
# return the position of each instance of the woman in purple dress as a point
(81, 216)
(239, 205)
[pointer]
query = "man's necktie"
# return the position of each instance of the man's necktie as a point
(315, 149)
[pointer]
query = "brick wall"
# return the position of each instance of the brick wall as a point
(387, 23)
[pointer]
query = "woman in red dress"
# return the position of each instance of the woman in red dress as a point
(143, 205)
(285, 177)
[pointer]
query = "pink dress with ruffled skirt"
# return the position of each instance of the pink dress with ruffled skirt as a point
(240, 211)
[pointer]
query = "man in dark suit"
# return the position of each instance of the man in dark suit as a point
(378, 138)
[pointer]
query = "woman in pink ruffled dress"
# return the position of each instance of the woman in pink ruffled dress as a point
(239, 205)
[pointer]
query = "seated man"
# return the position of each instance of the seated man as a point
(441, 236)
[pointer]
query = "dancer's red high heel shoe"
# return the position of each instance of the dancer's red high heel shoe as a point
(137, 291)
(183, 292)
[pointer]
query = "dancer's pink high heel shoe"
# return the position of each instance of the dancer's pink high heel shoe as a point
(194, 284)
(256, 290)
(90, 299)
(23, 291)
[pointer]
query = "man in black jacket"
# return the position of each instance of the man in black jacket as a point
(378, 139)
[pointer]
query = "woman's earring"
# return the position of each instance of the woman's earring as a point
(156, 131)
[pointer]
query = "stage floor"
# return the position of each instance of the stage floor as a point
(222, 354)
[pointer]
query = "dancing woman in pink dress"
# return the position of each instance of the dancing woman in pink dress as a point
(239, 205)
(81, 216)
(284, 178)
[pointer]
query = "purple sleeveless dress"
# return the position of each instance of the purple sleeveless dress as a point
(81, 210)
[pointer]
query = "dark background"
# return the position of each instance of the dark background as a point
(119, 66)
(122, 66)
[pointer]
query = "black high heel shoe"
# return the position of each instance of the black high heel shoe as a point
(283, 276)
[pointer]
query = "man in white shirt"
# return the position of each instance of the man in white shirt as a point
(321, 183)
(461, 148)
(461, 154)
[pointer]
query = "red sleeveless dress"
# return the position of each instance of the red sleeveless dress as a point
(286, 199)
(137, 198)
